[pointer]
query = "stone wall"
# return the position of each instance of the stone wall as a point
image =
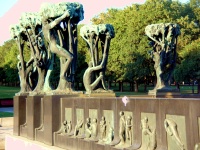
(141, 123)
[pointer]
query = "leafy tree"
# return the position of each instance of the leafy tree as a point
(189, 69)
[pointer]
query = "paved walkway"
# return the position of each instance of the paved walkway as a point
(6, 109)
(8, 128)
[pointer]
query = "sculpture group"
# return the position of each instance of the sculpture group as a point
(53, 31)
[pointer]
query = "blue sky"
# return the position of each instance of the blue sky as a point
(7, 4)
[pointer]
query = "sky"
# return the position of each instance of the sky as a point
(11, 10)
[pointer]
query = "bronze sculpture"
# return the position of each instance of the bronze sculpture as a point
(163, 38)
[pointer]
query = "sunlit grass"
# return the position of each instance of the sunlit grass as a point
(6, 114)
(8, 92)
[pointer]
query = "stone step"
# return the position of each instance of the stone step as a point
(5, 122)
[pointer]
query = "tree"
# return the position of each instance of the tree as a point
(189, 69)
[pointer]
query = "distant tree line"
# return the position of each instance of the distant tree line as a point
(129, 60)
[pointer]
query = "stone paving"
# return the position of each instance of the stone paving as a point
(3, 132)
(6, 126)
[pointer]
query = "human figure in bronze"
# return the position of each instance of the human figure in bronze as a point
(93, 34)
(49, 29)
(87, 77)
(18, 34)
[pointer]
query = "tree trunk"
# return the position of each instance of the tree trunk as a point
(131, 87)
(136, 86)
(109, 84)
(192, 87)
(121, 86)
(178, 86)
(145, 86)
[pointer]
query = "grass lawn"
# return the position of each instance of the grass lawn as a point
(5, 114)
(8, 92)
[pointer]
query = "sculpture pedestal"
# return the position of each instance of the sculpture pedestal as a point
(101, 93)
(165, 93)
(19, 113)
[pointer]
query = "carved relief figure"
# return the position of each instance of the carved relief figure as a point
(172, 130)
(63, 128)
(122, 127)
(69, 126)
(94, 128)
(129, 129)
(102, 129)
(125, 131)
(87, 128)
(110, 134)
(146, 131)
(78, 128)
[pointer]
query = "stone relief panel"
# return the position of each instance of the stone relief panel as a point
(176, 132)
(148, 129)
(125, 129)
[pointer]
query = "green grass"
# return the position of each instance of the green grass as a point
(8, 92)
(130, 93)
(5, 114)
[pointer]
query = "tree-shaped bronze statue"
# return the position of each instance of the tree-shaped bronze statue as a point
(93, 35)
(163, 39)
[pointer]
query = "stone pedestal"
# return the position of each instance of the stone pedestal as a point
(154, 113)
(33, 115)
(103, 94)
(165, 93)
(19, 113)
(51, 117)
